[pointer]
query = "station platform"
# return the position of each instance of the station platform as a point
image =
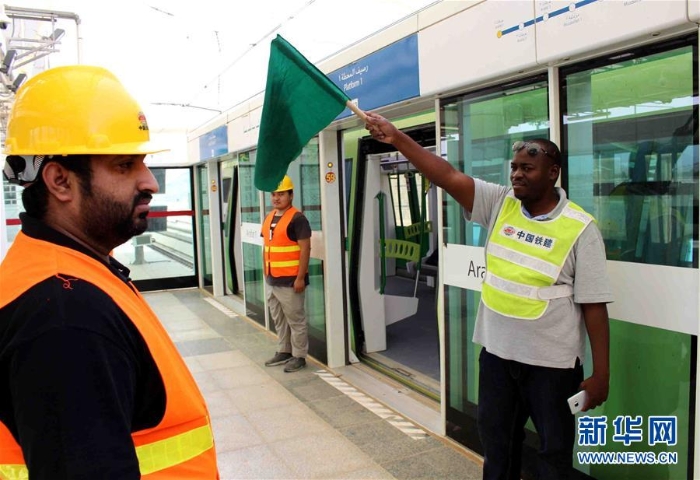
(311, 424)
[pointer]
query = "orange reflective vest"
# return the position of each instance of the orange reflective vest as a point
(281, 254)
(182, 445)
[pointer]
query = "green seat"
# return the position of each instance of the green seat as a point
(415, 229)
(401, 249)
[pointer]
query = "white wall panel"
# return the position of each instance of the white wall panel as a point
(193, 150)
(655, 295)
(567, 28)
(475, 45)
(243, 131)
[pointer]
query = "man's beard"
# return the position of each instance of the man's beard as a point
(110, 223)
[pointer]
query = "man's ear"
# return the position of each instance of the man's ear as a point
(554, 171)
(59, 181)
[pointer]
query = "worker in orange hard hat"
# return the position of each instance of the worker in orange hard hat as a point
(91, 386)
(287, 248)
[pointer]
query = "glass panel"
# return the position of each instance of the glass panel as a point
(204, 228)
(252, 253)
(13, 207)
(310, 204)
(310, 173)
(305, 174)
(166, 249)
(477, 134)
(400, 198)
(659, 363)
(631, 127)
(250, 196)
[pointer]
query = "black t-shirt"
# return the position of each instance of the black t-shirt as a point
(76, 376)
(298, 229)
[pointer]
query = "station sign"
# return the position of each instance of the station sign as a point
(214, 143)
(381, 78)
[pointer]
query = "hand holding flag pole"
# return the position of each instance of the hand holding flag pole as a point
(300, 101)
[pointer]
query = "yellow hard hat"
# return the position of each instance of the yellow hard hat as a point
(77, 109)
(285, 184)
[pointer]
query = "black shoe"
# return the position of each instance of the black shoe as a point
(279, 359)
(296, 363)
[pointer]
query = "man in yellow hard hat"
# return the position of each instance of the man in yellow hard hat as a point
(287, 237)
(91, 386)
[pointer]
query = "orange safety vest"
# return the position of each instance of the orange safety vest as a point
(281, 254)
(182, 445)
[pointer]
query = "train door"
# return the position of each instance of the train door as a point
(393, 265)
(202, 175)
(478, 131)
(245, 208)
(231, 231)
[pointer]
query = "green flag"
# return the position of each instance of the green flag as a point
(300, 101)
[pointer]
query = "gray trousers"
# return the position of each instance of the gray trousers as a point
(288, 314)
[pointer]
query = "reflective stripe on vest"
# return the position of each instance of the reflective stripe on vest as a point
(524, 258)
(168, 452)
(153, 457)
(281, 254)
(181, 446)
(13, 472)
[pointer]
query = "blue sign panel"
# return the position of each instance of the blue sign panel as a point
(381, 78)
(214, 143)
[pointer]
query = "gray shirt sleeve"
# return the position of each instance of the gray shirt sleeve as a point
(591, 283)
(488, 198)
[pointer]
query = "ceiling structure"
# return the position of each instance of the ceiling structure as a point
(184, 61)
(29, 36)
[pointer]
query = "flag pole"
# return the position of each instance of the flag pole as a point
(356, 110)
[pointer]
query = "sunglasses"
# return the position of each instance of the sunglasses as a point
(532, 149)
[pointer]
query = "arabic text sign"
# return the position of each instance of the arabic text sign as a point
(384, 77)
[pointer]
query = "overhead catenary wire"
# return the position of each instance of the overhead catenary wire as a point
(251, 47)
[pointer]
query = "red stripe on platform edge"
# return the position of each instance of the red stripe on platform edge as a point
(174, 213)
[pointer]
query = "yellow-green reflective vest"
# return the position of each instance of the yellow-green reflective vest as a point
(524, 258)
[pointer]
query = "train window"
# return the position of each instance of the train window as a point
(631, 126)
(308, 195)
(250, 196)
(478, 133)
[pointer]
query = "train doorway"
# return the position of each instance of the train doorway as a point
(393, 275)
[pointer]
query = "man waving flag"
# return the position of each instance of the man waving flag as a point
(300, 101)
